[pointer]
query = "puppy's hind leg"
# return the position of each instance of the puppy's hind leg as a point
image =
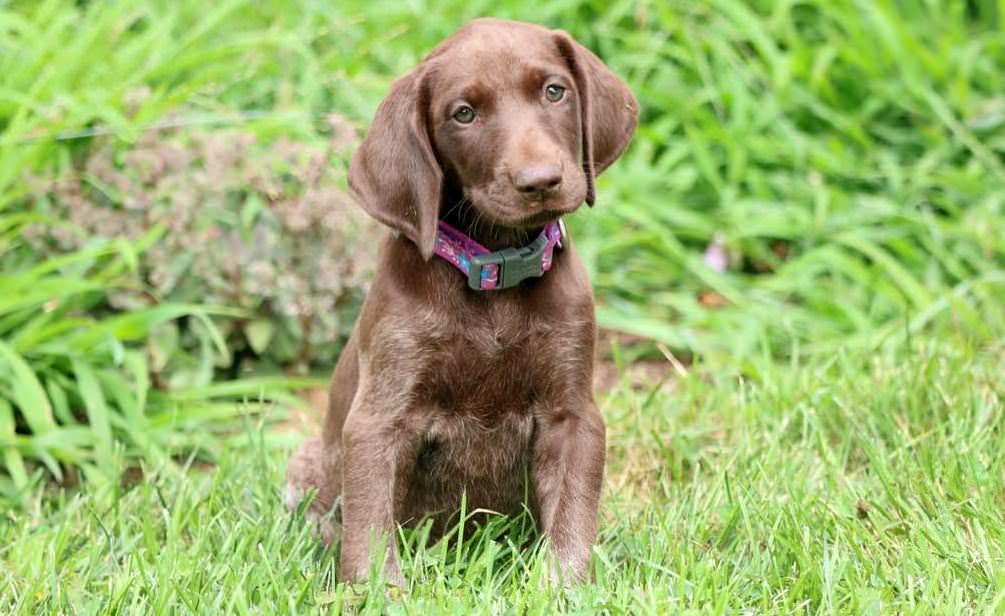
(316, 469)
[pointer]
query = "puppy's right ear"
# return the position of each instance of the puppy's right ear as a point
(394, 174)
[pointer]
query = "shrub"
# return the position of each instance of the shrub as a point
(266, 227)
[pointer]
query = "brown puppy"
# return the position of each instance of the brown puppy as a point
(442, 390)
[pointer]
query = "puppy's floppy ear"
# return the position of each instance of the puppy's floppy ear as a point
(394, 174)
(608, 110)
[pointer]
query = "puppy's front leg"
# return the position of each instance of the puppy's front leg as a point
(568, 471)
(379, 446)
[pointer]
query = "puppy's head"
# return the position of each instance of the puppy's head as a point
(516, 119)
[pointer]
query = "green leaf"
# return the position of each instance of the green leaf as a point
(28, 394)
(60, 403)
(259, 333)
(97, 408)
(162, 344)
(136, 363)
(13, 462)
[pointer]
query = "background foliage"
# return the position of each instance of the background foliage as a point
(264, 227)
(813, 201)
(846, 157)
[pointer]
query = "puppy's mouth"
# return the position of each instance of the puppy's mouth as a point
(543, 217)
(525, 217)
(524, 214)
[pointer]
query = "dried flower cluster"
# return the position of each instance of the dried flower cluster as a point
(265, 227)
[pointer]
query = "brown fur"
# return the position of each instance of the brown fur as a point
(444, 392)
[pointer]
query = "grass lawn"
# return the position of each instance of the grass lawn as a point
(864, 483)
(831, 442)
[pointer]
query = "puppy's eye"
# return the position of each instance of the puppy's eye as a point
(554, 92)
(464, 115)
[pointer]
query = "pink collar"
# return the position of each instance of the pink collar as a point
(502, 269)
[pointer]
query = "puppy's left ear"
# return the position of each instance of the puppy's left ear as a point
(394, 174)
(608, 110)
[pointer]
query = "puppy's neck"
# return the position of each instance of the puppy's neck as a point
(489, 234)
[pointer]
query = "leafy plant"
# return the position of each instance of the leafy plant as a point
(263, 227)
(75, 389)
(847, 159)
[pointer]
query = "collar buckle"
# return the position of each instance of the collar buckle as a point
(515, 264)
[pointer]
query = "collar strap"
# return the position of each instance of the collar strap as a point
(502, 269)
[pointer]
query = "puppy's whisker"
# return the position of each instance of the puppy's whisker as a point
(478, 222)
(456, 207)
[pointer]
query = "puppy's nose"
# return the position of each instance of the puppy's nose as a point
(538, 179)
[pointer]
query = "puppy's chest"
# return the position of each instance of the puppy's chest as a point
(485, 370)
(484, 377)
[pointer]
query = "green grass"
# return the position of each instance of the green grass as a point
(834, 443)
(858, 484)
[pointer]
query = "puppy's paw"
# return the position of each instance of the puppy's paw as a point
(568, 570)
(293, 495)
(311, 474)
(325, 523)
